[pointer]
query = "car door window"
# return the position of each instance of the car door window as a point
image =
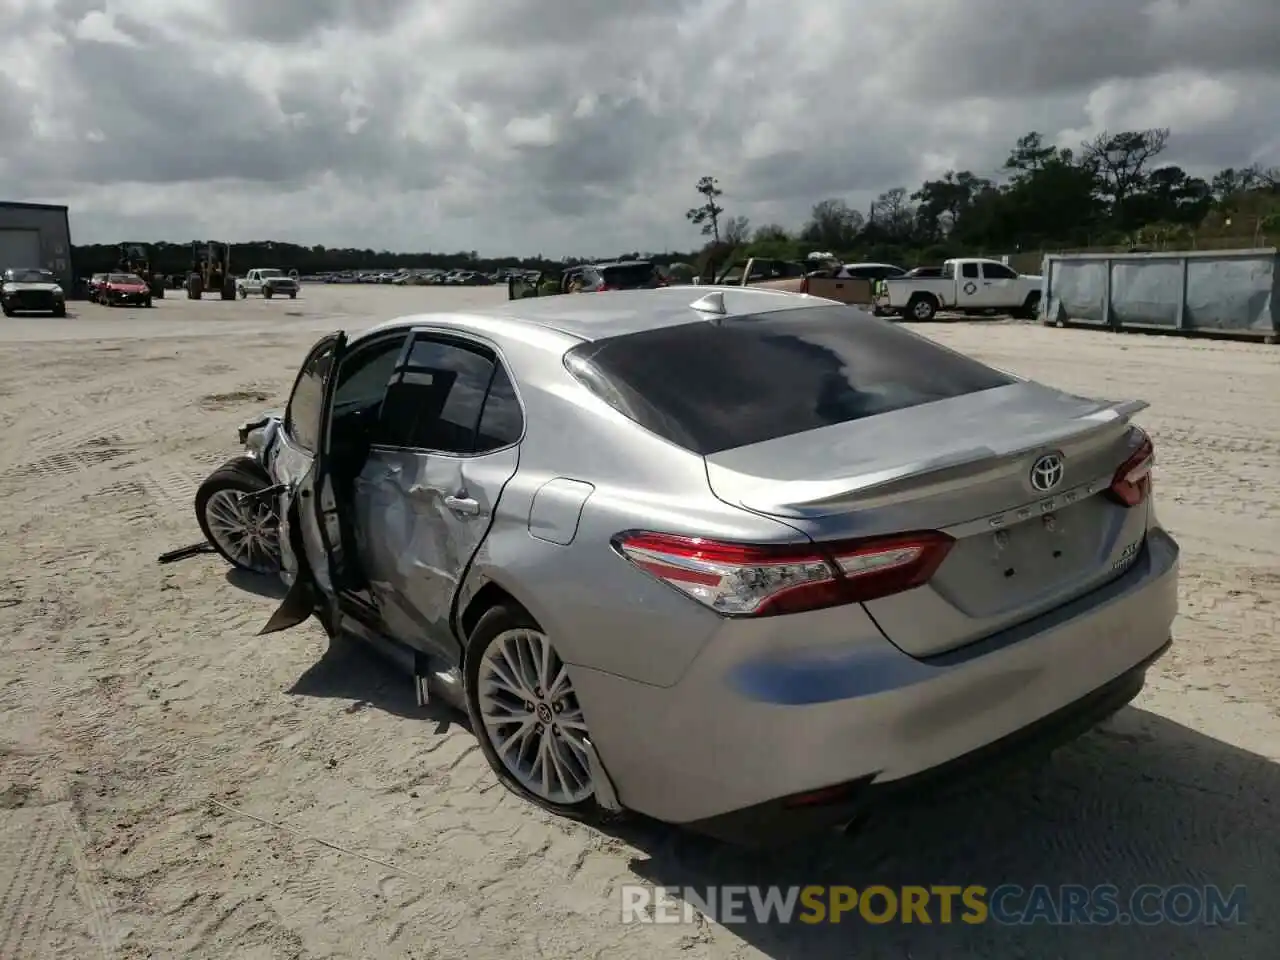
(364, 376)
(969, 271)
(440, 411)
(502, 420)
(997, 271)
(302, 415)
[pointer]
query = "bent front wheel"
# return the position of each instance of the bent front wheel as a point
(243, 528)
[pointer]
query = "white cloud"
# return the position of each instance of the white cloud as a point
(506, 127)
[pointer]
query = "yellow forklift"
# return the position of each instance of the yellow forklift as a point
(135, 258)
(210, 270)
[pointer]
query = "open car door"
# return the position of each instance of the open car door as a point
(518, 289)
(311, 536)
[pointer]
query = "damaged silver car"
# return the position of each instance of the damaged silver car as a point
(749, 564)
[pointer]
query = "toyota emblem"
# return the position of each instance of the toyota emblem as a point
(1046, 472)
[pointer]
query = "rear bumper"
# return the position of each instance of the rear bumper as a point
(769, 712)
(789, 817)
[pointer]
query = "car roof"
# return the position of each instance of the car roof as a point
(595, 316)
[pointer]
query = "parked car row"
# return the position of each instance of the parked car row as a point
(459, 278)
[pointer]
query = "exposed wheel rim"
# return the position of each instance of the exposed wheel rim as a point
(532, 717)
(248, 531)
(923, 309)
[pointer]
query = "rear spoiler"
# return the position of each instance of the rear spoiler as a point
(871, 486)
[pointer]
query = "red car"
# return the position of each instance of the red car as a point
(123, 288)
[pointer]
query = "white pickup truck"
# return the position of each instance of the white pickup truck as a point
(267, 282)
(970, 285)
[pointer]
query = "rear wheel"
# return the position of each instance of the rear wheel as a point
(266, 292)
(293, 294)
(147, 303)
(1030, 308)
(526, 715)
(245, 532)
(60, 310)
(922, 308)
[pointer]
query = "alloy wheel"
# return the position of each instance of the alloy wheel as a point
(245, 529)
(532, 717)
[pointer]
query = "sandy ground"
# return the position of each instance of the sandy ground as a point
(173, 786)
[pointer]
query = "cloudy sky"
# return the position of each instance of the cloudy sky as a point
(580, 126)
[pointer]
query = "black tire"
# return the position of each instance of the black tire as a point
(921, 308)
(147, 303)
(244, 293)
(58, 311)
(242, 474)
(1031, 308)
(293, 294)
(8, 312)
(195, 287)
(266, 292)
(495, 621)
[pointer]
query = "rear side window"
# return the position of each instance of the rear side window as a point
(629, 276)
(711, 387)
(443, 411)
(501, 421)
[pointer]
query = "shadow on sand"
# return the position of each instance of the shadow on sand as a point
(257, 583)
(351, 671)
(1141, 800)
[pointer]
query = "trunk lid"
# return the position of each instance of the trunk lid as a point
(962, 466)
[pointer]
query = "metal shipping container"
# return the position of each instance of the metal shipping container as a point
(37, 235)
(1231, 292)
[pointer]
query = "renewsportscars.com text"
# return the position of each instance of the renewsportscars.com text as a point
(1007, 904)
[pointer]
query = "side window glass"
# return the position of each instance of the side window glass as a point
(436, 403)
(997, 271)
(969, 270)
(502, 421)
(302, 415)
(364, 376)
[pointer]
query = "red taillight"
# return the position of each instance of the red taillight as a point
(1131, 484)
(603, 287)
(750, 580)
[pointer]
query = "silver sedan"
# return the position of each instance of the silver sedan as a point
(750, 563)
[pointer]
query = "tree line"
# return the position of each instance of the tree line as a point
(1111, 192)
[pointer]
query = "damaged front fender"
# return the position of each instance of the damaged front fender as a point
(259, 434)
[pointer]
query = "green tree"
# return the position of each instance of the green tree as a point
(706, 216)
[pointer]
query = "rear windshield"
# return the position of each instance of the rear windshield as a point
(628, 276)
(711, 387)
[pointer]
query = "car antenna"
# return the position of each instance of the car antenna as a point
(713, 304)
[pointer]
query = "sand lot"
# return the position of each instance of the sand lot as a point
(173, 786)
